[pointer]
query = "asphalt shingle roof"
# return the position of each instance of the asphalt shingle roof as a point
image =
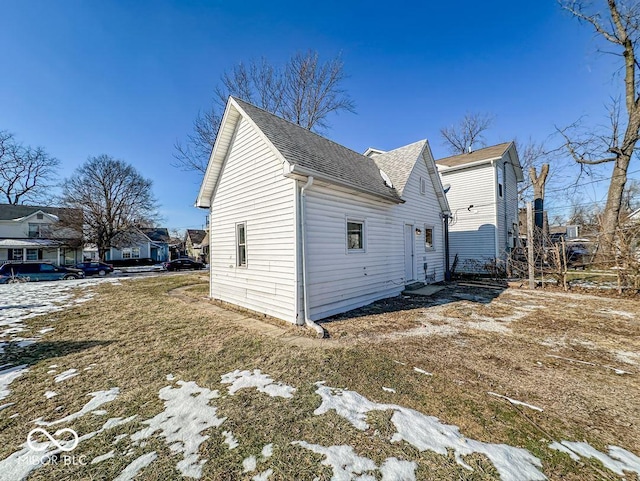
(157, 234)
(309, 150)
(398, 164)
(486, 153)
(196, 235)
(11, 211)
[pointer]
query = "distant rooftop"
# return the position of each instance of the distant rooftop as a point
(486, 153)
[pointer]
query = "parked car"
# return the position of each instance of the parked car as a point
(94, 268)
(179, 264)
(36, 271)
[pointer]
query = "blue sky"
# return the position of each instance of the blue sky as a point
(125, 78)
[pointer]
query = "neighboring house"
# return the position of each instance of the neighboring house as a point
(302, 228)
(193, 243)
(32, 233)
(483, 196)
(141, 243)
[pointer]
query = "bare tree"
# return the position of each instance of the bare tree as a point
(114, 200)
(617, 23)
(464, 136)
(305, 91)
(25, 172)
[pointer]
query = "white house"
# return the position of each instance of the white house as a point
(302, 228)
(32, 233)
(483, 196)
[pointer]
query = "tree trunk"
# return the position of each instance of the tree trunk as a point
(611, 214)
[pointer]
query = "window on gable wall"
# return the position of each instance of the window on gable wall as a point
(355, 235)
(34, 230)
(423, 185)
(126, 253)
(241, 244)
(428, 237)
(500, 181)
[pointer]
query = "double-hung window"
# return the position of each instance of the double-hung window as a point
(355, 235)
(241, 244)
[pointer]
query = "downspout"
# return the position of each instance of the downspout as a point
(447, 271)
(305, 295)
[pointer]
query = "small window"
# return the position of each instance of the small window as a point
(17, 255)
(241, 245)
(135, 252)
(355, 235)
(500, 181)
(32, 254)
(34, 231)
(126, 253)
(423, 185)
(428, 237)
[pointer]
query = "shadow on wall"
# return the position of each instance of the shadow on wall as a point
(473, 248)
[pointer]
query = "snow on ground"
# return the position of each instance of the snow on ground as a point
(422, 371)
(68, 374)
(187, 413)
(50, 394)
(614, 369)
(618, 460)
(7, 376)
(428, 433)
(25, 300)
(515, 402)
(103, 457)
(136, 466)
(98, 398)
(230, 439)
(263, 383)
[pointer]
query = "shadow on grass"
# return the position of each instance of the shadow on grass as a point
(39, 351)
(451, 293)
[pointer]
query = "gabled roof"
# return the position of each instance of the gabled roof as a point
(196, 235)
(157, 234)
(306, 152)
(399, 163)
(14, 212)
(484, 155)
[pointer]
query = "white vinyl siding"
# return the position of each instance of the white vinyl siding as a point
(252, 190)
(339, 281)
(472, 200)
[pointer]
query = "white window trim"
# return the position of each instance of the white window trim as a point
(246, 250)
(364, 235)
(135, 252)
(432, 229)
(126, 253)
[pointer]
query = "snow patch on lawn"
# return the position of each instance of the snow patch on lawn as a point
(68, 374)
(230, 440)
(618, 460)
(136, 466)
(345, 464)
(388, 389)
(7, 376)
(429, 433)
(98, 398)
(422, 371)
(187, 413)
(262, 382)
(264, 476)
(103, 457)
(515, 402)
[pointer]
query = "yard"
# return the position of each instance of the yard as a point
(471, 383)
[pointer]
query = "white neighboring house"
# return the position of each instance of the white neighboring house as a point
(31, 233)
(483, 197)
(302, 228)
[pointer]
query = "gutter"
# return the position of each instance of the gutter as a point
(305, 294)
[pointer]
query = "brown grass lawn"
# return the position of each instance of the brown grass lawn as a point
(549, 349)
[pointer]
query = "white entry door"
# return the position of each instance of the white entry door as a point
(408, 253)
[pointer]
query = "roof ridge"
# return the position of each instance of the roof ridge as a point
(300, 127)
(477, 150)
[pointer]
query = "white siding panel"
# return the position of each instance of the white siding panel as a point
(252, 190)
(472, 231)
(340, 280)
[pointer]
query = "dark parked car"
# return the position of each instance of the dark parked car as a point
(36, 271)
(94, 268)
(178, 264)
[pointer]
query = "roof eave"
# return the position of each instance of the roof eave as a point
(297, 171)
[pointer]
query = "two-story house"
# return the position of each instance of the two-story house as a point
(32, 233)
